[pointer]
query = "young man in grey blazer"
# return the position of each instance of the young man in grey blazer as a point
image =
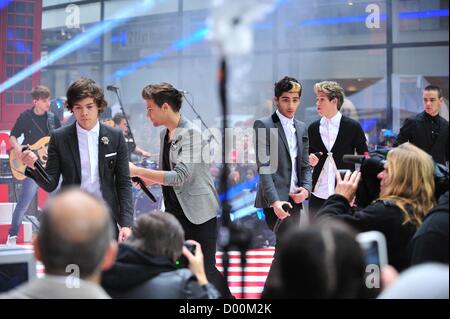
(282, 145)
(282, 157)
(188, 187)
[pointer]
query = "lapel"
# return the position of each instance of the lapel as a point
(299, 138)
(279, 126)
(174, 149)
(321, 145)
(72, 142)
(340, 135)
(102, 150)
(161, 147)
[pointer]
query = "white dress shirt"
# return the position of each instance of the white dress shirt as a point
(88, 146)
(329, 129)
(290, 132)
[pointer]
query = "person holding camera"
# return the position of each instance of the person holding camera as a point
(406, 194)
(146, 265)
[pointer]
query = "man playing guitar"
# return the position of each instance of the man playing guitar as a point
(35, 123)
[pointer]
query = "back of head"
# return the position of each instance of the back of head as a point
(411, 181)
(158, 234)
(332, 90)
(118, 117)
(76, 229)
(322, 261)
(85, 88)
(287, 84)
(163, 93)
(425, 281)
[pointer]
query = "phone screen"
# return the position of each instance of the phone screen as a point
(372, 252)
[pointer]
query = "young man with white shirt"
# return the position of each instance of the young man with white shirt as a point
(284, 177)
(334, 135)
(89, 154)
(288, 178)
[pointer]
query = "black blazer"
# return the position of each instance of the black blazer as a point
(417, 131)
(350, 138)
(115, 184)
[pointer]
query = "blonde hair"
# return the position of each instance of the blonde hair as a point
(411, 182)
(332, 90)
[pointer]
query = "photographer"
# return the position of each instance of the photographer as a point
(406, 194)
(146, 264)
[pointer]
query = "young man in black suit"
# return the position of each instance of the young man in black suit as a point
(89, 154)
(334, 135)
(428, 130)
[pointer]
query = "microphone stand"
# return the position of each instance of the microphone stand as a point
(233, 236)
(211, 135)
(130, 133)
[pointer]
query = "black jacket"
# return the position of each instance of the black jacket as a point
(382, 216)
(430, 243)
(136, 275)
(115, 184)
(350, 138)
(417, 130)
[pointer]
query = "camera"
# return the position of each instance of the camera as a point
(183, 262)
(369, 186)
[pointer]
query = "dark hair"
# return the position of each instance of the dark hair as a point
(84, 88)
(158, 234)
(57, 252)
(118, 117)
(322, 261)
(40, 92)
(285, 85)
(432, 87)
(163, 93)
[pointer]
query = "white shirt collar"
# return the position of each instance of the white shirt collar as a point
(284, 120)
(335, 120)
(95, 129)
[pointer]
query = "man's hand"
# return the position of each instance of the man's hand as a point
(313, 160)
(300, 195)
(278, 209)
(347, 187)
(124, 233)
(196, 262)
(29, 158)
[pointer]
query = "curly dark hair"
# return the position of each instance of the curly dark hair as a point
(83, 88)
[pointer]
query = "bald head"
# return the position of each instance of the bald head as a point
(76, 215)
(75, 229)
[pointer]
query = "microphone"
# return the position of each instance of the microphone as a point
(183, 92)
(144, 188)
(112, 88)
(353, 159)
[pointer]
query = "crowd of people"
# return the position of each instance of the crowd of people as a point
(89, 223)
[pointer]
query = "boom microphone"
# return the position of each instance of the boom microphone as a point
(112, 88)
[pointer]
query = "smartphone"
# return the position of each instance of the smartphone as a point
(374, 245)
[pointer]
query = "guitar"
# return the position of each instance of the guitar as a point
(39, 148)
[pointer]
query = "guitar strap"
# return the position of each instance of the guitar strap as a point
(50, 123)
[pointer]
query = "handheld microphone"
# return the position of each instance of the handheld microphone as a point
(353, 159)
(112, 88)
(141, 183)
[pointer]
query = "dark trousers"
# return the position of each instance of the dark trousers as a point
(206, 235)
(272, 281)
(315, 203)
